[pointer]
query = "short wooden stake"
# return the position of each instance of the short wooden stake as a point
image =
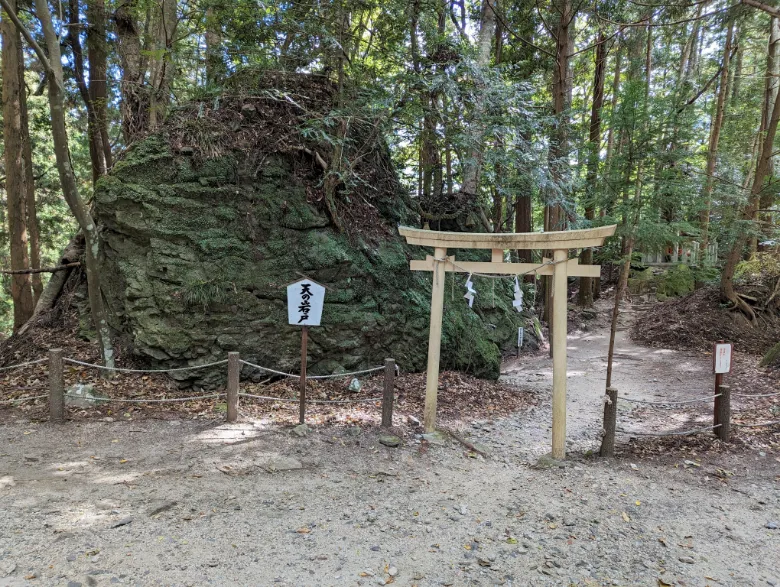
(610, 423)
(234, 372)
(724, 413)
(304, 359)
(388, 395)
(56, 387)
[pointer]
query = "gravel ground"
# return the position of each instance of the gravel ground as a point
(152, 503)
(188, 502)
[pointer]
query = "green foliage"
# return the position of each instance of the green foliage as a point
(205, 292)
(761, 267)
(677, 281)
(424, 88)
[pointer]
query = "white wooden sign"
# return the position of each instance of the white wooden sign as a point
(305, 299)
(721, 357)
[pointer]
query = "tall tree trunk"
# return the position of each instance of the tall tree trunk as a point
(585, 295)
(524, 223)
(773, 83)
(613, 108)
(16, 175)
(608, 158)
(430, 158)
(147, 69)
(215, 64)
(736, 84)
(97, 54)
(715, 128)
(559, 137)
(689, 48)
(53, 66)
(763, 166)
(632, 215)
(498, 188)
(472, 165)
(96, 151)
(33, 231)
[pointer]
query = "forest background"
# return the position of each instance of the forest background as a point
(500, 115)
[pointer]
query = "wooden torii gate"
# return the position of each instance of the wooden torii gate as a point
(560, 267)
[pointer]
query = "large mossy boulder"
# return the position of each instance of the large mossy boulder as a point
(205, 222)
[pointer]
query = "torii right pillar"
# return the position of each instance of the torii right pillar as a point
(560, 321)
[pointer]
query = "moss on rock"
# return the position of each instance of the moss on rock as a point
(198, 251)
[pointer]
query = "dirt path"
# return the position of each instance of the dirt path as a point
(196, 503)
(639, 373)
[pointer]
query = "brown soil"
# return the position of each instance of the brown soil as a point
(461, 398)
(699, 319)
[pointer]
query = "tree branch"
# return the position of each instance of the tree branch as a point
(27, 37)
(508, 29)
(761, 6)
(42, 269)
(707, 85)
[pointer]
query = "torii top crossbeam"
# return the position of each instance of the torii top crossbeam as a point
(560, 267)
(566, 239)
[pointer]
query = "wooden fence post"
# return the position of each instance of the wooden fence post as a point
(234, 371)
(723, 416)
(56, 387)
(388, 395)
(610, 423)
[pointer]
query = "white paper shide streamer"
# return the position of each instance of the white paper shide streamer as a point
(470, 291)
(518, 301)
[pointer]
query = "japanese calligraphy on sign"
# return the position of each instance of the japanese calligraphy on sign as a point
(305, 299)
(721, 358)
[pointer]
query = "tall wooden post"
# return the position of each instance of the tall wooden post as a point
(234, 370)
(304, 358)
(560, 318)
(434, 341)
(56, 387)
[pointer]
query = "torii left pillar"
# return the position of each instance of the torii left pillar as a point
(434, 342)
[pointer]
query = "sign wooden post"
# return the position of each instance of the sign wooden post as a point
(721, 363)
(305, 300)
(304, 359)
(560, 267)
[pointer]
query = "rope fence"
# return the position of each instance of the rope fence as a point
(57, 393)
(126, 370)
(721, 416)
(680, 433)
(756, 395)
(706, 399)
(313, 401)
(294, 376)
(22, 399)
(760, 425)
(721, 425)
(20, 365)
(111, 400)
